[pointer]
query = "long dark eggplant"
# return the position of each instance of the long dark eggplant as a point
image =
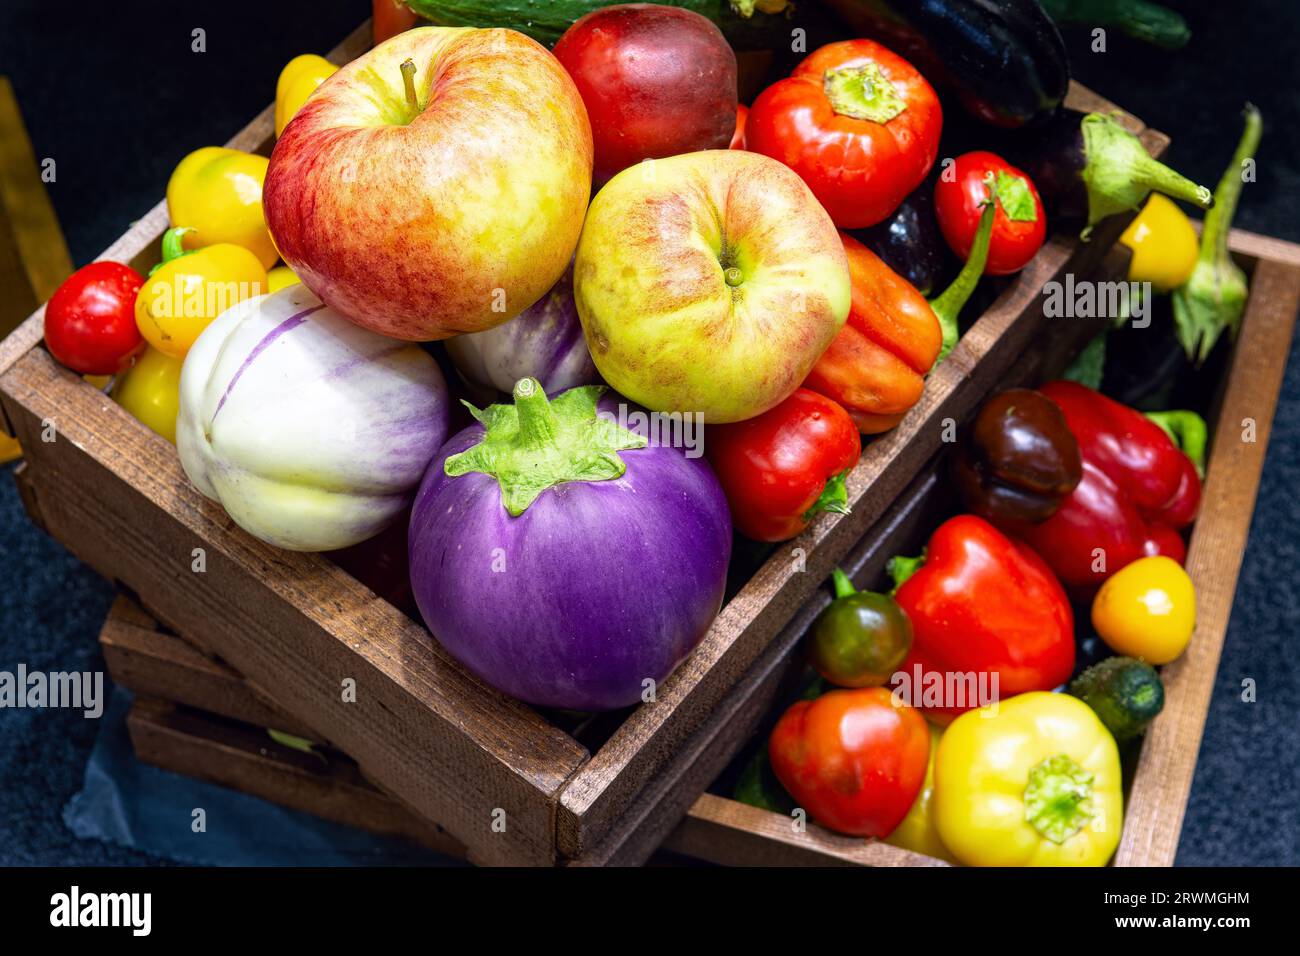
(910, 243)
(1087, 167)
(1003, 59)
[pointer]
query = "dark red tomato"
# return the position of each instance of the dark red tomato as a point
(857, 122)
(90, 320)
(1019, 223)
(657, 81)
(854, 759)
(738, 139)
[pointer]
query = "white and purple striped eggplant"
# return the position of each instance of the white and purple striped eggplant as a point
(312, 432)
(544, 342)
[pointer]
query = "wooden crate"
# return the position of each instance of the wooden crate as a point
(176, 683)
(452, 749)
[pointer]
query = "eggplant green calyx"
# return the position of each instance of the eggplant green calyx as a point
(537, 443)
(862, 92)
(1119, 173)
(901, 568)
(173, 246)
(1058, 798)
(834, 497)
(948, 305)
(1187, 430)
(1214, 296)
(746, 8)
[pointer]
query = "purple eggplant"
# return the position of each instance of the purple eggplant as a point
(565, 552)
(544, 342)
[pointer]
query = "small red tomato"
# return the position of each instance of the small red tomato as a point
(90, 320)
(656, 80)
(857, 122)
(781, 468)
(738, 140)
(854, 759)
(1019, 222)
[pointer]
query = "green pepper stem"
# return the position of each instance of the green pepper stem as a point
(1187, 430)
(1058, 798)
(947, 306)
(1214, 236)
(834, 497)
(862, 92)
(173, 243)
(843, 586)
(537, 422)
(901, 568)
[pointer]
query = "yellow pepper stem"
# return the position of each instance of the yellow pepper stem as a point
(173, 246)
(1058, 798)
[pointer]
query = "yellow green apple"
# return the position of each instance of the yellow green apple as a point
(435, 185)
(709, 283)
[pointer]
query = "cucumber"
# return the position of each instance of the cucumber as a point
(1125, 693)
(546, 20)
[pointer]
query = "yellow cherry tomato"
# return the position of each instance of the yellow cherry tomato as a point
(150, 390)
(918, 831)
(190, 289)
(1163, 243)
(217, 192)
(1147, 609)
(298, 80)
(1033, 780)
(279, 277)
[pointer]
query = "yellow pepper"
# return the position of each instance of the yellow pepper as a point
(1029, 781)
(1163, 244)
(279, 277)
(150, 390)
(918, 832)
(187, 290)
(1147, 609)
(217, 193)
(298, 80)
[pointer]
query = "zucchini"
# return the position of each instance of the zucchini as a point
(1125, 693)
(745, 23)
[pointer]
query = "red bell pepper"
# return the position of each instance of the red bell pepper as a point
(981, 604)
(852, 758)
(857, 122)
(781, 468)
(1138, 490)
(1020, 224)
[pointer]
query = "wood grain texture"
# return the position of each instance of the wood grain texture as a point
(248, 760)
(1163, 780)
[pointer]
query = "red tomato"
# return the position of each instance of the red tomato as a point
(781, 468)
(90, 320)
(854, 759)
(738, 140)
(858, 123)
(656, 80)
(1019, 222)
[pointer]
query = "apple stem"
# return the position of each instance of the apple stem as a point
(408, 78)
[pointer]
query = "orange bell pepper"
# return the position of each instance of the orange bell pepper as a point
(876, 365)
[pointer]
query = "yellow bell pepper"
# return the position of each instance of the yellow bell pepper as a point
(1163, 244)
(217, 193)
(187, 290)
(1030, 781)
(279, 277)
(1147, 609)
(150, 390)
(918, 832)
(298, 80)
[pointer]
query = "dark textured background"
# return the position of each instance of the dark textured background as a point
(113, 93)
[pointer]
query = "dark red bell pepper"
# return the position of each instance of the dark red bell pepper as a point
(1138, 489)
(980, 604)
(781, 468)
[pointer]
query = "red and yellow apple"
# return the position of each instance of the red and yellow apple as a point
(709, 282)
(435, 185)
